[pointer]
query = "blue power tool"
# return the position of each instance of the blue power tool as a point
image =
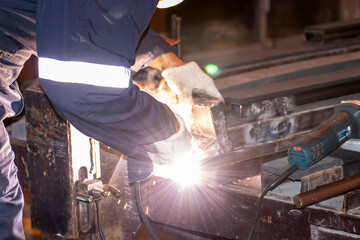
(314, 146)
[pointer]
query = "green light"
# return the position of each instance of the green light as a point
(212, 69)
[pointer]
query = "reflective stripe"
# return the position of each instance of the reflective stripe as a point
(168, 3)
(84, 73)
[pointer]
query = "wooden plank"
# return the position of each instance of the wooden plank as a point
(52, 190)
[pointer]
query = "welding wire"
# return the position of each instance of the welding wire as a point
(143, 217)
(96, 206)
(271, 187)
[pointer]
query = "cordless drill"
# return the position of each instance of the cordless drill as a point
(314, 146)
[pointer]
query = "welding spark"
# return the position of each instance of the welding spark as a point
(185, 170)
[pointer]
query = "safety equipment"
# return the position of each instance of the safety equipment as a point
(168, 3)
(84, 73)
(186, 79)
(166, 151)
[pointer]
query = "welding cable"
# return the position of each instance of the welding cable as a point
(96, 206)
(143, 217)
(271, 187)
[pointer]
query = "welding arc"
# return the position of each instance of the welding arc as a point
(143, 217)
(271, 187)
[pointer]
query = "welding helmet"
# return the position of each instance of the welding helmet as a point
(168, 3)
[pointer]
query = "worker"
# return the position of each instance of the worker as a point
(85, 50)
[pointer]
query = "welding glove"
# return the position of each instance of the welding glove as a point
(189, 78)
(166, 151)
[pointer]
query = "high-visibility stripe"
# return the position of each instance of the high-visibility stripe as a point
(168, 3)
(84, 73)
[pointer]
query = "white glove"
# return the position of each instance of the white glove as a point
(166, 151)
(183, 80)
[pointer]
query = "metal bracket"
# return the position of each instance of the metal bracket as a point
(88, 192)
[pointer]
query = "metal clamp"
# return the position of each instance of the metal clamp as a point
(93, 190)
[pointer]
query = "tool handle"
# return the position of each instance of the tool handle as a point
(327, 137)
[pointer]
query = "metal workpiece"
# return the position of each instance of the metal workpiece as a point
(327, 191)
(327, 32)
(200, 208)
(351, 201)
(246, 132)
(277, 106)
(90, 188)
(111, 190)
(306, 81)
(89, 192)
(209, 126)
(224, 212)
(175, 32)
(271, 104)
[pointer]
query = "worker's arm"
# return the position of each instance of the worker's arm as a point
(85, 53)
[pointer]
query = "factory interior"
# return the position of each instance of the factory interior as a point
(277, 157)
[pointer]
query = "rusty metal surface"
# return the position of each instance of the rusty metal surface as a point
(275, 103)
(327, 191)
(227, 212)
(50, 174)
(317, 179)
(224, 209)
(282, 103)
(322, 233)
(275, 128)
(351, 200)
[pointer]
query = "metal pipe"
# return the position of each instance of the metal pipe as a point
(175, 32)
(326, 191)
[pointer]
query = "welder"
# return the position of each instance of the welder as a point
(86, 52)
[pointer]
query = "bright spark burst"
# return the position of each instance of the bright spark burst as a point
(185, 170)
